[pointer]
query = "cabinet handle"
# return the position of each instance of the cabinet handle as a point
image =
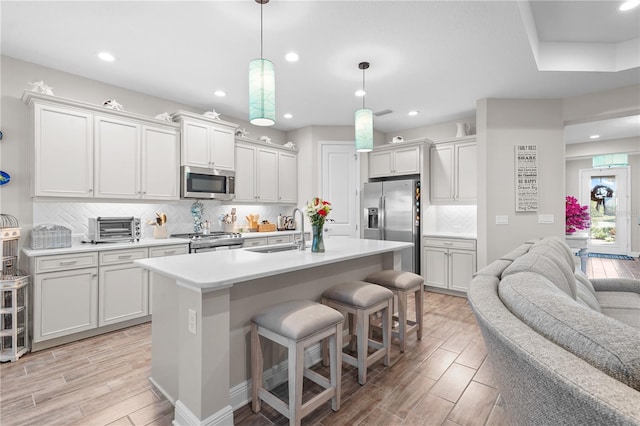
(68, 262)
(90, 189)
(124, 256)
(447, 244)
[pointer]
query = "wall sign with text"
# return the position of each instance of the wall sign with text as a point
(526, 178)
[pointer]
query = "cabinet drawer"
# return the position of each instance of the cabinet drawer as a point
(450, 243)
(64, 262)
(279, 239)
(254, 242)
(168, 250)
(113, 257)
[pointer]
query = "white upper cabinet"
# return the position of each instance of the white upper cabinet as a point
(117, 155)
(206, 142)
(454, 172)
(160, 174)
(265, 173)
(85, 150)
(394, 161)
(63, 151)
(287, 177)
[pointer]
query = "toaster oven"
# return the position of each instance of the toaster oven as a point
(113, 229)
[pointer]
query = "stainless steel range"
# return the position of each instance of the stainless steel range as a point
(212, 241)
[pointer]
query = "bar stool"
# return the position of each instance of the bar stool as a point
(402, 284)
(359, 300)
(297, 324)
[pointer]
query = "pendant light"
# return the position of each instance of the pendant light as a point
(364, 120)
(262, 87)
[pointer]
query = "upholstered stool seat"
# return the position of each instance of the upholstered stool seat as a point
(359, 300)
(297, 324)
(402, 284)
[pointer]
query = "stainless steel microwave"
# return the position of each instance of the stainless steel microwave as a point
(200, 182)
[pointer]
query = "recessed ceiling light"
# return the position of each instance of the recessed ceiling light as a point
(360, 93)
(629, 4)
(412, 113)
(220, 93)
(106, 56)
(594, 137)
(287, 115)
(292, 57)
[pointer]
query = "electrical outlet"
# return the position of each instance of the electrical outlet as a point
(192, 321)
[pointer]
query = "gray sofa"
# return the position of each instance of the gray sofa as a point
(564, 349)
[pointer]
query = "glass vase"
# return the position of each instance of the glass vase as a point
(317, 244)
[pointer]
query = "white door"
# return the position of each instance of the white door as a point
(606, 192)
(340, 186)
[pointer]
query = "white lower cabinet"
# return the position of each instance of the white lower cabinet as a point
(80, 292)
(449, 263)
(123, 288)
(65, 299)
(254, 242)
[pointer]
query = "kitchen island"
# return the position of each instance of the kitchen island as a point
(202, 305)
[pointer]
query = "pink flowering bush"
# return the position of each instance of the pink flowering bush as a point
(576, 216)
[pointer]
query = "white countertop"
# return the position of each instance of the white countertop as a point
(84, 247)
(270, 234)
(451, 235)
(221, 269)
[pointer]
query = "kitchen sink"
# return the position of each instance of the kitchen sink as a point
(274, 249)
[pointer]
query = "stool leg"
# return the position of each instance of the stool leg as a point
(402, 317)
(256, 368)
(419, 310)
(351, 319)
(362, 332)
(386, 331)
(296, 369)
(335, 349)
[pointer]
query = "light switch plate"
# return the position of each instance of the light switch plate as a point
(502, 220)
(546, 218)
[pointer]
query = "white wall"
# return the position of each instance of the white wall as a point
(503, 124)
(434, 132)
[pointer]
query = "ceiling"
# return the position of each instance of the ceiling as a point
(436, 57)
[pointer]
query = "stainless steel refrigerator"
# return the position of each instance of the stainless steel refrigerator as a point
(391, 212)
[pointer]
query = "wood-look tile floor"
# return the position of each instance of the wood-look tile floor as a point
(443, 379)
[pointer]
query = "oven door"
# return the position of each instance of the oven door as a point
(203, 183)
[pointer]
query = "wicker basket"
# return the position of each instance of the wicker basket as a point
(50, 236)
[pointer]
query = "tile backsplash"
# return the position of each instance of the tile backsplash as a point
(451, 219)
(75, 215)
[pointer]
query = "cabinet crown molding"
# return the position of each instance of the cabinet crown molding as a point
(243, 139)
(181, 114)
(29, 97)
(470, 138)
(412, 142)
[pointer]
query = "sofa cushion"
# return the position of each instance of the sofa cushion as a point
(621, 305)
(516, 253)
(494, 269)
(561, 247)
(585, 297)
(545, 266)
(604, 342)
(556, 257)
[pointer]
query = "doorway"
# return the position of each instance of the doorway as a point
(606, 192)
(339, 185)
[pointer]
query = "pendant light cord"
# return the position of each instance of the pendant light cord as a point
(363, 91)
(261, 30)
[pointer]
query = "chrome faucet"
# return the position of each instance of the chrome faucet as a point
(302, 244)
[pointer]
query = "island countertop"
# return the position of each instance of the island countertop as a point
(220, 269)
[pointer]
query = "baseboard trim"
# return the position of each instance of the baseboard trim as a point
(184, 417)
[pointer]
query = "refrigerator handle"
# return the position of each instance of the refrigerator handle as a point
(382, 214)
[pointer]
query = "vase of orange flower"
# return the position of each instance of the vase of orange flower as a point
(317, 211)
